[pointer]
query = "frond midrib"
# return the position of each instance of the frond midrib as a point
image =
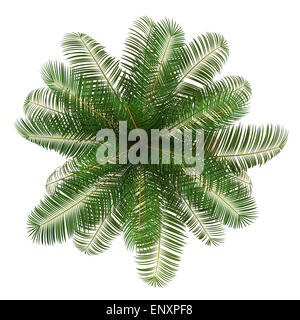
(246, 154)
(45, 107)
(60, 138)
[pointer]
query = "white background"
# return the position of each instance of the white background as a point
(259, 262)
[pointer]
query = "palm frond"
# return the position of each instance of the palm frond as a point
(203, 58)
(83, 164)
(186, 202)
(137, 42)
(74, 204)
(223, 197)
(90, 59)
(57, 134)
(168, 38)
(79, 94)
(98, 239)
(198, 220)
(59, 175)
(149, 59)
(42, 102)
(244, 179)
(245, 147)
(234, 84)
(158, 264)
(141, 208)
(214, 109)
(134, 59)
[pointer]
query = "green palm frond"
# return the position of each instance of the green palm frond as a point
(90, 59)
(79, 95)
(217, 193)
(244, 179)
(42, 102)
(86, 163)
(54, 133)
(59, 175)
(235, 85)
(197, 218)
(214, 109)
(167, 39)
(99, 238)
(246, 147)
(228, 202)
(160, 83)
(137, 50)
(137, 42)
(149, 57)
(76, 204)
(159, 263)
(203, 58)
(140, 208)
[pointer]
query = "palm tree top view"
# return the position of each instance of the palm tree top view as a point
(159, 83)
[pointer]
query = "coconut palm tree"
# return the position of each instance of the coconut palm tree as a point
(160, 82)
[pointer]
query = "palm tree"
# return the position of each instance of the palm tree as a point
(159, 83)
